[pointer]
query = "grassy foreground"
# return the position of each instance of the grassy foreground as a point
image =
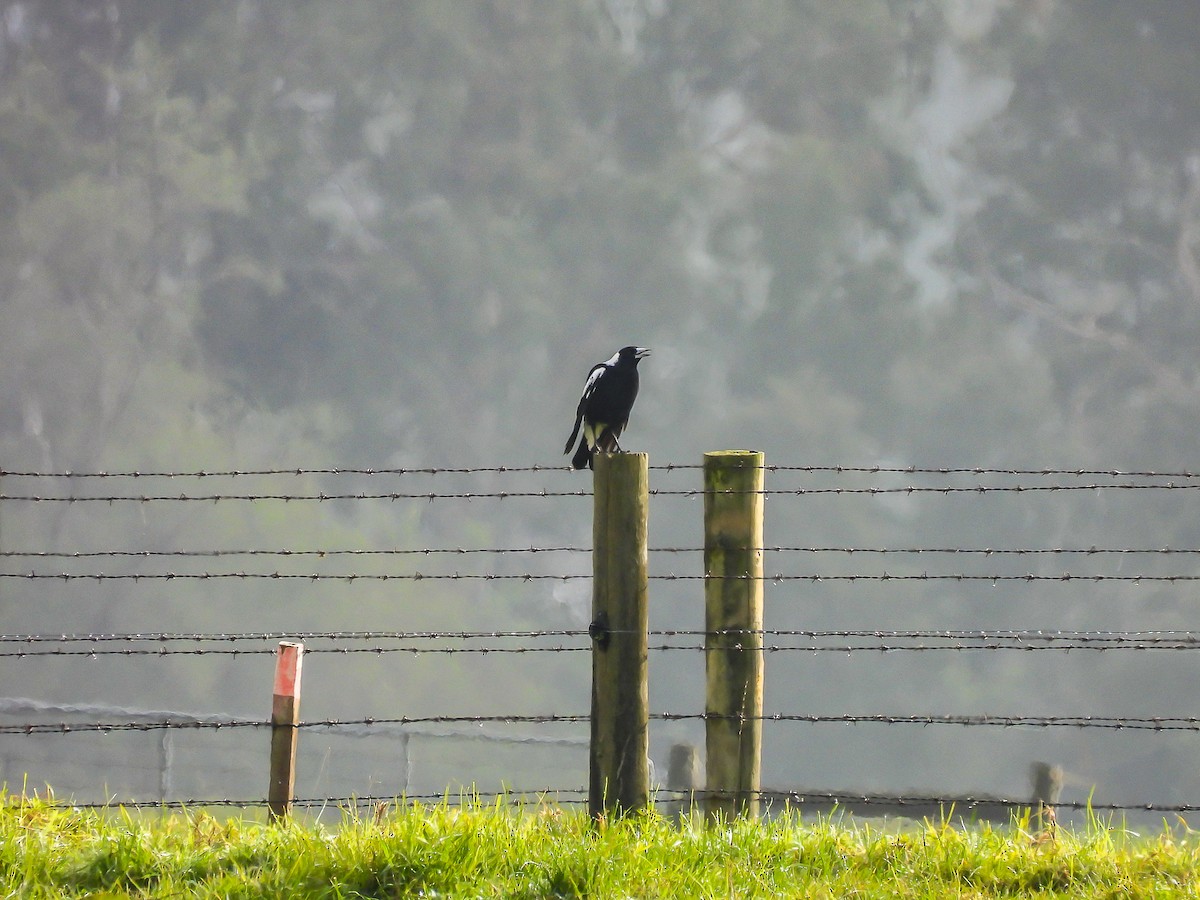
(482, 851)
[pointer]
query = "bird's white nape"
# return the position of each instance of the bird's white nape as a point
(612, 360)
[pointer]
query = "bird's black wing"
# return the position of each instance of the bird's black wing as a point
(610, 403)
(588, 388)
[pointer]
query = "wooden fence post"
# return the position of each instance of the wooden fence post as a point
(733, 593)
(285, 716)
(1047, 789)
(683, 779)
(619, 776)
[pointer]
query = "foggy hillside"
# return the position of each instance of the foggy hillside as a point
(244, 235)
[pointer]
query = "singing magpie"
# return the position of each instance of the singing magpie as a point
(603, 411)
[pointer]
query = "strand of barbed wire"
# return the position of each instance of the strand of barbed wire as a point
(1107, 637)
(578, 796)
(698, 648)
(1114, 723)
(778, 578)
(569, 796)
(984, 552)
(667, 467)
(498, 551)
(431, 496)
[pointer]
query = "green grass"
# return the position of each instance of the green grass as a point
(489, 851)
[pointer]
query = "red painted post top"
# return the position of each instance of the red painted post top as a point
(287, 669)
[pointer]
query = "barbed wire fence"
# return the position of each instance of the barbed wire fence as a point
(38, 567)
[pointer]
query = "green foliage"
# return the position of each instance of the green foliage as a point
(343, 206)
(493, 851)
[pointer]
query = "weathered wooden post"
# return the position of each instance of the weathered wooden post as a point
(1047, 783)
(1047, 789)
(619, 771)
(683, 780)
(733, 593)
(166, 754)
(285, 716)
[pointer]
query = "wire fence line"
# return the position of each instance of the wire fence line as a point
(654, 648)
(430, 496)
(378, 643)
(417, 643)
(1101, 639)
(559, 796)
(1117, 637)
(296, 635)
(1112, 723)
(576, 641)
(350, 577)
(672, 800)
(777, 578)
(1133, 480)
(134, 719)
(499, 551)
(665, 467)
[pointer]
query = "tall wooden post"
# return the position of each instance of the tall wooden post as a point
(1047, 790)
(619, 771)
(683, 780)
(285, 716)
(733, 594)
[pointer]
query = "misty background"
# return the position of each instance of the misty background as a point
(249, 234)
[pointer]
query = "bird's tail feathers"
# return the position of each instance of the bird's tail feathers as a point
(583, 455)
(574, 432)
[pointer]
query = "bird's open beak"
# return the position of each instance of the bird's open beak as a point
(642, 352)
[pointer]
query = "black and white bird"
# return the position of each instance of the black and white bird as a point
(603, 411)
